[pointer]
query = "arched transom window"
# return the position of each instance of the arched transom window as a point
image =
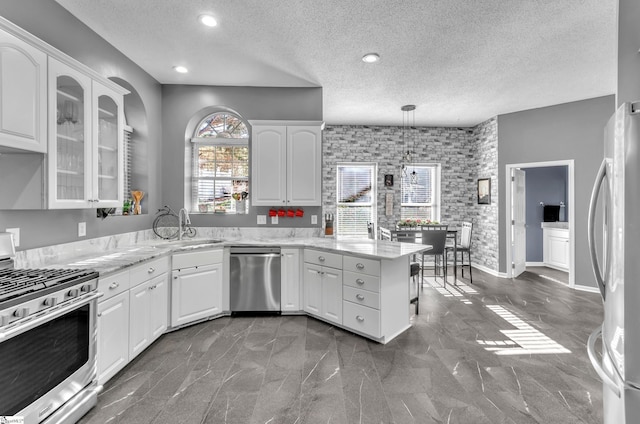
(220, 180)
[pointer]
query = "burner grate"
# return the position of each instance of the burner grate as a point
(19, 282)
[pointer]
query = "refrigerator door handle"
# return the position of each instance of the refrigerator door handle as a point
(597, 364)
(602, 174)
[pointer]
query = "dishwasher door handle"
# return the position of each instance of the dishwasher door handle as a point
(261, 255)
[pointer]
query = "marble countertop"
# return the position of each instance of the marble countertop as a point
(126, 256)
(558, 224)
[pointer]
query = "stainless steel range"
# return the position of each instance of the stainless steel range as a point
(47, 343)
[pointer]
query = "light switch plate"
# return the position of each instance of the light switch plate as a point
(82, 229)
(262, 219)
(314, 219)
(16, 235)
(274, 220)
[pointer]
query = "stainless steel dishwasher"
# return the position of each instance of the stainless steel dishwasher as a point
(254, 279)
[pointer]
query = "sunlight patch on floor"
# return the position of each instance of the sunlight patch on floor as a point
(524, 340)
(449, 290)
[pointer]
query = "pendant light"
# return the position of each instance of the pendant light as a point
(407, 157)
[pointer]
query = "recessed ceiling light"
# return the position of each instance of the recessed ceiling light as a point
(208, 20)
(371, 57)
(180, 69)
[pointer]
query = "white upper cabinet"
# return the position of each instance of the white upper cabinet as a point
(85, 145)
(23, 95)
(286, 162)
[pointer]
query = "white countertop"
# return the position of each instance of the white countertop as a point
(125, 256)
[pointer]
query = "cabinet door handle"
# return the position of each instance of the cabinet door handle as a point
(359, 266)
(99, 315)
(151, 270)
(360, 281)
(175, 277)
(359, 297)
(321, 258)
(360, 318)
(114, 285)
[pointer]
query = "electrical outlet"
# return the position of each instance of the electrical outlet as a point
(274, 220)
(262, 219)
(82, 229)
(16, 235)
(314, 219)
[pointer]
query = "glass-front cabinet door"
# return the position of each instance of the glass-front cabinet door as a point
(108, 152)
(70, 138)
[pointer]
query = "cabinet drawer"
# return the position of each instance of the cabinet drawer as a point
(197, 258)
(113, 284)
(148, 270)
(361, 297)
(319, 257)
(361, 318)
(362, 281)
(365, 266)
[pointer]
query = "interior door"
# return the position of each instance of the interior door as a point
(518, 223)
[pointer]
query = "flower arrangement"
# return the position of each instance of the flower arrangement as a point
(414, 222)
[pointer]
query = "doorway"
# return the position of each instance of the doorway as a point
(513, 238)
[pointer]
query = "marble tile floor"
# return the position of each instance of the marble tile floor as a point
(509, 351)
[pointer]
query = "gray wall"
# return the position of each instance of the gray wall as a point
(548, 185)
(628, 45)
(562, 132)
(53, 24)
(183, 106)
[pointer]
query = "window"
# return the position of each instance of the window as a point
(356, 191)
(421, 192)
(220, 163)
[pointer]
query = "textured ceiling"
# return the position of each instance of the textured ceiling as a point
(459, 61)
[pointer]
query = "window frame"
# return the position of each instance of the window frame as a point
(435, 203)
(372, 205)
(197, 143)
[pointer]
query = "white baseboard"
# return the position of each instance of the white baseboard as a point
(489, 270)
(586, 288)
(535, 264)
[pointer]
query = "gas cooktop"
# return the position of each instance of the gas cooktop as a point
(20, 285)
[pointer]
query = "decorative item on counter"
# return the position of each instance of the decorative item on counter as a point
(415, 222)
(291, 213)
(273, 212)
(281, 212)
(137, 198)
(299, 212)
(126, 207)
(328, 224)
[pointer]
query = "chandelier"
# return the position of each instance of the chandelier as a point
(408, 154)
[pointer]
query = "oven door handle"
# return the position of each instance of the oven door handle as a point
(29, 323)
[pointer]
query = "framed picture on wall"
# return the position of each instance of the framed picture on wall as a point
(388, 180)
(484, 191)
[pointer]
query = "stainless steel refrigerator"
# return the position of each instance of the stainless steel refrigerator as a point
(616, 264)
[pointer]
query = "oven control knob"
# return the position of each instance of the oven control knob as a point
(50, 301)
(21, 313)
(85, 288)
(72, 293)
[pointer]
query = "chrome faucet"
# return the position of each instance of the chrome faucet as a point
(183, 220)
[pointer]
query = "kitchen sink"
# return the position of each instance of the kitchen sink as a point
(193, 242)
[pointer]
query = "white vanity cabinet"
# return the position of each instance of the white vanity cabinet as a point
(322, 285)
(86, 120)
(555, 249)
(23, 95)
(286, 162)
(132, 314)
(196, 286)
(290, 281)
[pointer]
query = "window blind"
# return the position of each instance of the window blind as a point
(420, 192)
(356, 188)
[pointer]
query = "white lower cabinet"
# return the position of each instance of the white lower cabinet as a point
(113, 346)
(148, 314)
(196, 286)
(132, 314)
(555, 249)
(323, 285)
(290, 281)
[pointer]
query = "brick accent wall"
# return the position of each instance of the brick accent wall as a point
(460, 153)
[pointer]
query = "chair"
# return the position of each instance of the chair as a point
(384, 233)
(414, 267)
(463, 246)
(437, 238)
